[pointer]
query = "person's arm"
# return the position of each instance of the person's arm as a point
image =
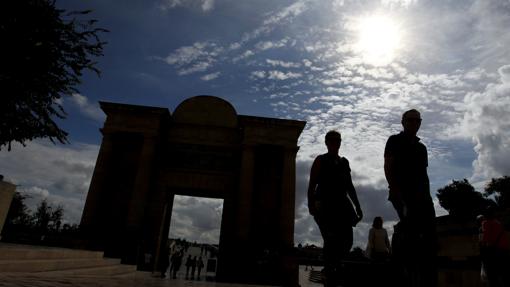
(387, 240)
(351, 191)
(391, 178)
(312, 185)
(370, 244)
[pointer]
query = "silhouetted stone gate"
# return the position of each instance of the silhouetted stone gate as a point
(148, 156)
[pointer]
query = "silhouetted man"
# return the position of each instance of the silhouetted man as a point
(405, 167)
(331, 196)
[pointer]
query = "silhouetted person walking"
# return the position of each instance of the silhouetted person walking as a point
(200, 265)
(164, 262)
(378, 246)
(331, 196)
(193, 267)
(405, 167)
(494, 250)
(189, 263)
(176, 263)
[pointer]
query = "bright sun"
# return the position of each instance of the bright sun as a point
(379, 39)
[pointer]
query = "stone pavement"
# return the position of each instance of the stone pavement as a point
(139, 279)
(33, 277)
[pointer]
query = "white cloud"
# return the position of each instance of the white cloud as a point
(487, 121)
(258, 74)
(266, 45)
(278, 75)
(169, 4)
(288, 12)
(397, 3)
(204, 5)
(90, 110)
(196, 219)
(195, 58)
(196, 67)
(211, 76)
(59, 173)
(246, 54)
(278, 63)
(207, 5)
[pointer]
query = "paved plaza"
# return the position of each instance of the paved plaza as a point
(130, 279)
(139, 279)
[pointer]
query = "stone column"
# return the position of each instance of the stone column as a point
(244, 201)
(7, 191)
(288, 197)
(143, 182)
(91, 211)
(289, 268)
(138, 203)
(236, 222)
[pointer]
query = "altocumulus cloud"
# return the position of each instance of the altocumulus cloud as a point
(61, 174)
(204, 5)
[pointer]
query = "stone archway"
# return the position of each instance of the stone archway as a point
(204, 149)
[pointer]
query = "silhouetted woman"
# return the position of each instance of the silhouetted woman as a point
(378, 246)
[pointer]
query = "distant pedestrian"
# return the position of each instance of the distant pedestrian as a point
(495, 250)
(378, 246)
(164, 262)
(189, 262)
(200, 265)
(193, 268)
(176, 263)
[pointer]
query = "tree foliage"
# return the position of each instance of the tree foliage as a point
(461, 199)
(44, 52)
(19, 214)
(500, 188)
(46, 218)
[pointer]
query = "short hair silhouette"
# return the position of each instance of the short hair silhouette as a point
(404, 115)
(333, 135)
(378, 222)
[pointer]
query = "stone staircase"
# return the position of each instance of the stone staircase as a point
(315, 276)
(50, 261)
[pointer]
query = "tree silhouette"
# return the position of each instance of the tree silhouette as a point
(43, 54)
(461, 199)
(500, 187)
(18, 217)
(48, 218)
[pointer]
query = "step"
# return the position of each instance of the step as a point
(111, 270)
(28, 252)
(315, 276)
(40, 265)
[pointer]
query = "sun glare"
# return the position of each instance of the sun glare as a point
(379, 39)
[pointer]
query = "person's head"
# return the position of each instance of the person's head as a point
(411, 121)
(378, 222)
(333, 141)
(489, 212)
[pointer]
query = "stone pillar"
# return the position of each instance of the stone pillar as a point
(91, 210)
(244, 202)
(236, 223)
(138, 202)
(7, 191)
(288, 197)
(289, 267)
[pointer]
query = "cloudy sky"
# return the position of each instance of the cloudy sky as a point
(354, 66)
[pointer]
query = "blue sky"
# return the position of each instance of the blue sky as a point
(354, 66)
